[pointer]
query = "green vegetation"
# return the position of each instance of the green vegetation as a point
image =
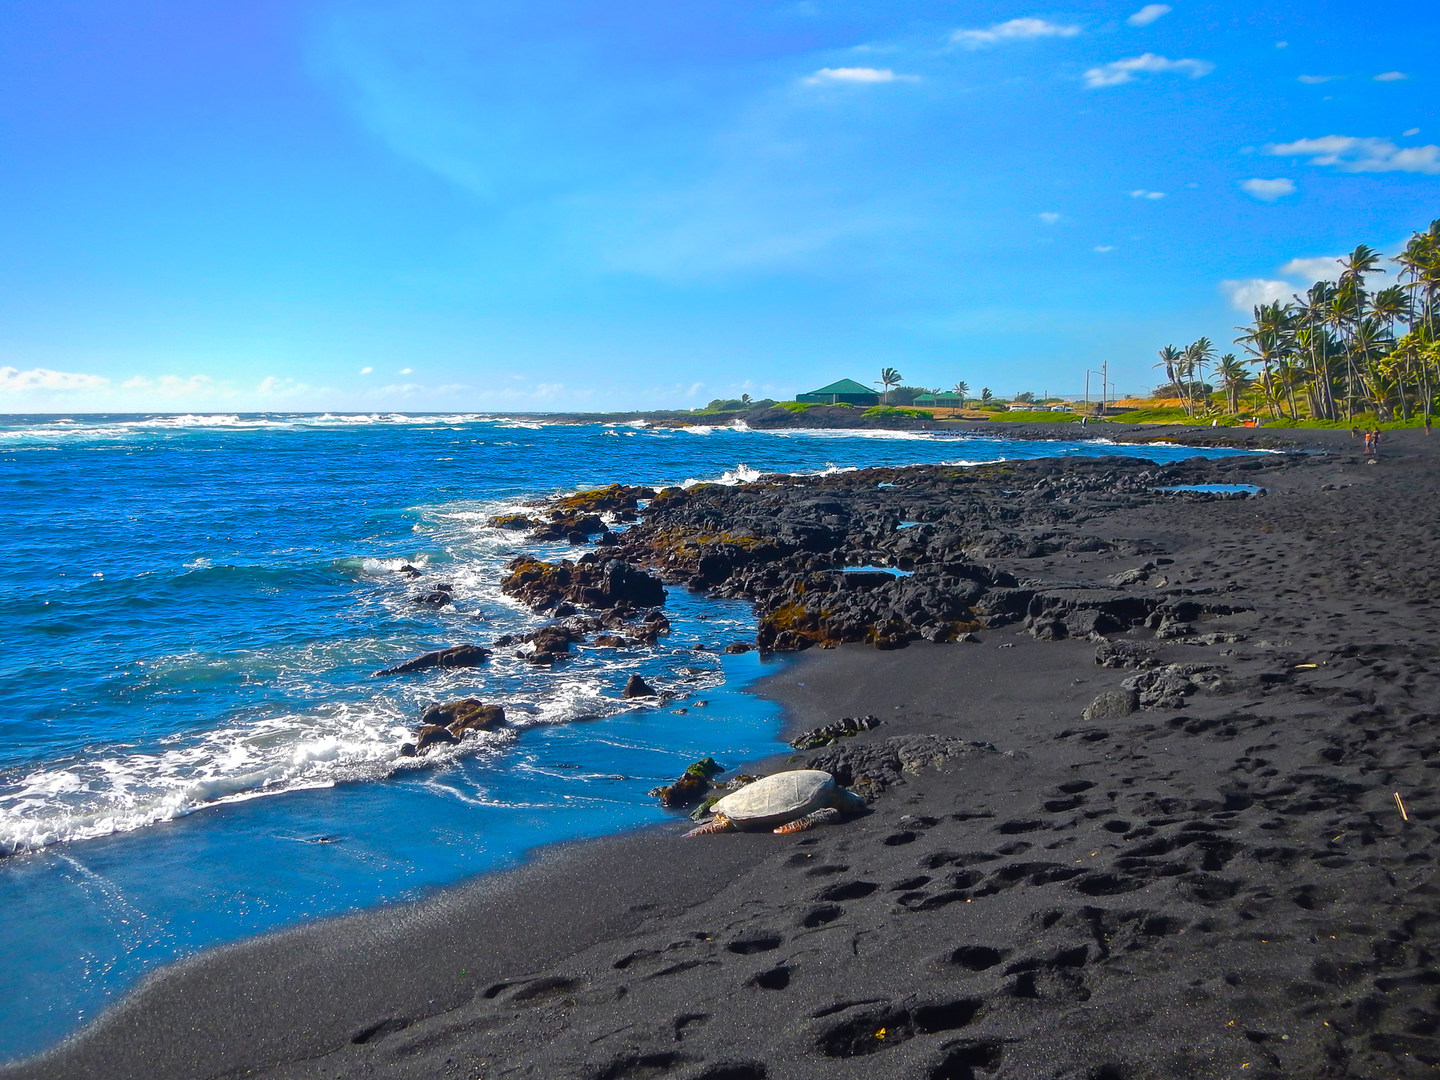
(1035, 416)
(890, 410)
(889, 377)
(1342, 355)
(733, 405)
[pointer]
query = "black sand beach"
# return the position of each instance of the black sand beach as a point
(1204, 873)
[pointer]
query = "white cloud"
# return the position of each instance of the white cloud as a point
(1141, 193)
(1268, 190)
(854, 75)
(1049, 217)
(180, 385)
(1148, 14)
(1323, 268)
(1102, 248)
(272, 386)
(1391, 76)
(1361, 154)
(1014, 30)
(1247, 294)
(366, 370)
(407, 371)
(1119, 72)
(15, 381)
(1411, 131)
(1282, 44)
(1316, 80)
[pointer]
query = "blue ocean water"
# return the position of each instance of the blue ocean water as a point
(193, 749)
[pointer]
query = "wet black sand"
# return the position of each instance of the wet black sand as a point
(1221, 884)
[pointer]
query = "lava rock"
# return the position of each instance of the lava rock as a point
(466, 714)
(636, 687)
(455, 657)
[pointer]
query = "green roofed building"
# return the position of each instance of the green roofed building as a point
(844, 392)
(945, 400)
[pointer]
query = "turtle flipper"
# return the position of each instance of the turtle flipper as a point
(826, 815)
(719, 823)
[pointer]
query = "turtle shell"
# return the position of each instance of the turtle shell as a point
(774, 800)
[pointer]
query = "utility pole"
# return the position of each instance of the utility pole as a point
(1104, 378)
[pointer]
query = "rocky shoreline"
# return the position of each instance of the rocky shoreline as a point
(1151, 794)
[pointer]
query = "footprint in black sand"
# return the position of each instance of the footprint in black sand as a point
(750, 946)
(822, 915)
(734, 1070)
(976, 957)
(637, 1067)
(1010, 828)
(965, 1060)
(686, 1024)
(874, 1030)
(776, 978)
(526, 990)
(848, 890)
(375, 1032)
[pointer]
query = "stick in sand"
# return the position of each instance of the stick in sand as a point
(1400, 805)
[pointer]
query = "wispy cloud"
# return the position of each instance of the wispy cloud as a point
(1014, 30)
(407, 371)
(1316, 80)
(15, 381)
(1268, 190)
(1049, 217)
(1410, 131)
(1141, 193)
(1148, 14)
(856, 75)
(1353, 154)
(366, 370)
(1102, 248)
(1391, 76)
(1119, 72)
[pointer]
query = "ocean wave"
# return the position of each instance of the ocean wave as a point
(120, 792)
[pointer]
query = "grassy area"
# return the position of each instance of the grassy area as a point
(1363, 421)
(1037, 416)
(1158, 415)
(890, 410)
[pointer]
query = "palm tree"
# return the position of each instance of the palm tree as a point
(962, 390)
(889, 377)
(1197, 354)
(1315, 342)
(986, 395)
(1268, 341)
(1233, 379)
(1170, 358)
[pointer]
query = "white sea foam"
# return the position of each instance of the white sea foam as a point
(741, 474)
(119, 791)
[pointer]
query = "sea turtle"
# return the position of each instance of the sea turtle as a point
(785, 802)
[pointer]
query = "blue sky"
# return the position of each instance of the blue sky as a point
(556, 205)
